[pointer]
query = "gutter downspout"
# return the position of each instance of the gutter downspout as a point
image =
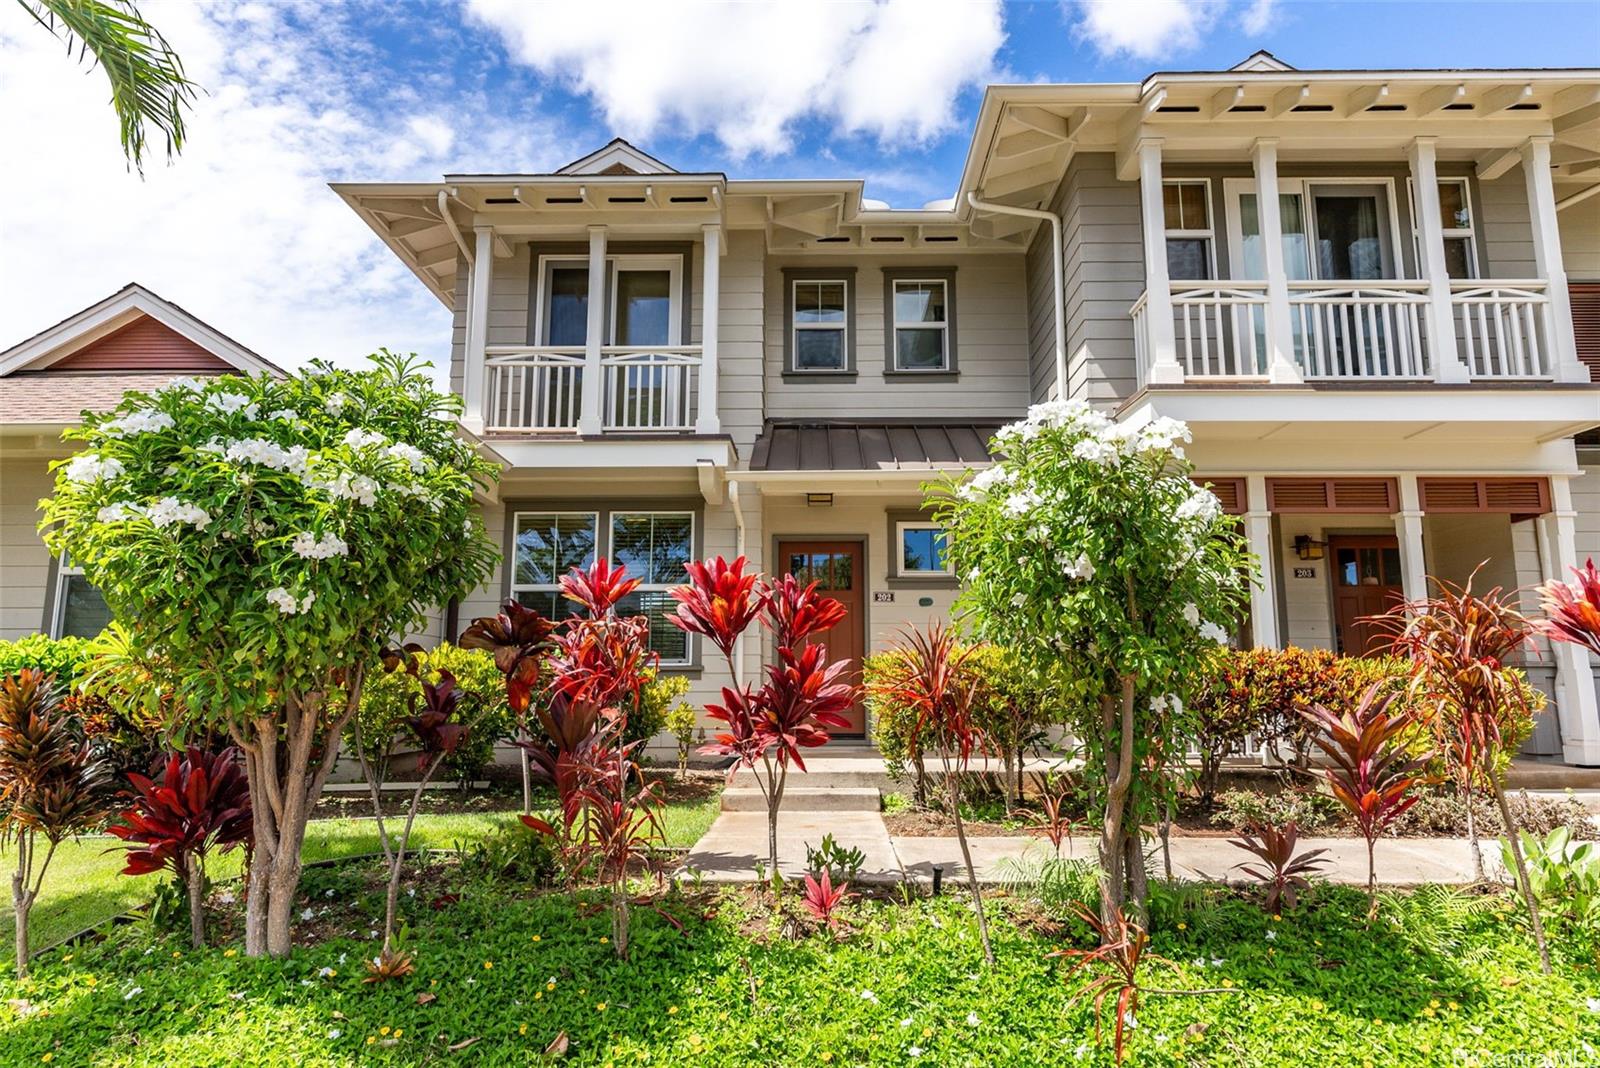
(738, 546)
(1057, 250)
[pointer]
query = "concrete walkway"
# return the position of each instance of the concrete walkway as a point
(737, 841)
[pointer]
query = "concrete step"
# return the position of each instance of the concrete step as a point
(803, 799)
(1548, 775)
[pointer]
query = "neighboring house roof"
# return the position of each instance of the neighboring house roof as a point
(131, 340)
(873, 445)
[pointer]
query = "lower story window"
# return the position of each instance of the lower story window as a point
(653, 546)
(922, 550)
(80, 611)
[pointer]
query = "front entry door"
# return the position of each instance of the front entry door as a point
(1366, 582)
(836, 568)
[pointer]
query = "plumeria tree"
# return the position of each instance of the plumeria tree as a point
(1088, 549)
(265, 538)
(803, 693)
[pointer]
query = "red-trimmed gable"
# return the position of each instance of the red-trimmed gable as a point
(143, 345)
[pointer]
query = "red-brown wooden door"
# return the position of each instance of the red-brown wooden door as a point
(1366, 582)
(836, 568)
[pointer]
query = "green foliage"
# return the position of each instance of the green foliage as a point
(1311, 810)
(1440, 920)
(509, 854)
(1565, 876)
(829, 856)
(660, 692)
(386, 702)
(65, 658)
(265, 534)
(681, 720)
(1442, 813)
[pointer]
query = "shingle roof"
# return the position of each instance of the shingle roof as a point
(886, 445)
(43, 397)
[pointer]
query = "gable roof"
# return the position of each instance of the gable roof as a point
(1261, 60)
(617, 157)
(132, 329)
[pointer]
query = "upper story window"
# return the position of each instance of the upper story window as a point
(80, 611)
(653, 545)
(919, 320)
(644, 301)
(819, 321)
(1455, 215)
(1190, 238)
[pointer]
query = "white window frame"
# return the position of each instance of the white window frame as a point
(1232, 187)
(673, 264)
(900, 530)
(943, 325)
(655, 587)
(842, 327)
(516, 524)
(1209, 234)
(65, 569)
(1469, 233)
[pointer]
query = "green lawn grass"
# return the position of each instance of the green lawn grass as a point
(507, 970)
(84, 887)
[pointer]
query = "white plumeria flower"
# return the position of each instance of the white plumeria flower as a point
(90, 467)
(360, 439)
(228, 403)
(142, 421)
(326, 972)
(914, 1051)
(237, 995)
(308, 914)
(310, 547)
(119, 512)
(1593, 1004)
(1272, 936)
(169, 511)
(867, 995)
(972, 1019)
(409, 455)
(1081, 568)
(1216, 962)
(1210, 630)
(334, 1032)
(133, 992)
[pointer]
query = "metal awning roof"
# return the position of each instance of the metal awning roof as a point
(878, 445)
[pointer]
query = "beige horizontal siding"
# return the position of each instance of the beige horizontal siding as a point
(24, 560)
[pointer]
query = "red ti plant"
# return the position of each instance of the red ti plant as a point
(519, 638)
(1460, 645)
(600, 655)
(1123, 946)
(1369, 770)
(802, 694)
(1573, 611)
(1284, 872)
(201, 803)
(823, 899)
(1056, 796)
(435, 730)
(941, 690)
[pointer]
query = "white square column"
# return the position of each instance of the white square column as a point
(475, 360)
(1160, 342)
(1408, 531)
(594, 387)
(1577, 706)
(1280, 331)
(1547, 260)
(707, 421)
(1263, 594)
(1447, 365)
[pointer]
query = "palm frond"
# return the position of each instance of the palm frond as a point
(148, 85)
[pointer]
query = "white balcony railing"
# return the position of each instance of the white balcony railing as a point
(539, 389)
(1356, 331)
(1503, 328)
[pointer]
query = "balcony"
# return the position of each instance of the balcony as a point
(1367, 331)
(644, 390)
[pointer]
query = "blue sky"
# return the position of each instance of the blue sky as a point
(243, 231)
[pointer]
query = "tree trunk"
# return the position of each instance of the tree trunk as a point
(527, 784)
(1522, 876)
(1372, 881)
(1478, 873)
(619, 922)
(1117, 741)
(21, 903)
(953, 789)
(1166, 838)
(1138, 903)
(195, 877)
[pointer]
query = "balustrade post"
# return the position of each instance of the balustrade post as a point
(1447, 365)
(592, 396)
(1160, 344)
(1280, 330)
(706, 420)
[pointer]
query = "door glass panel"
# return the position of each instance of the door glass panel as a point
(1352, 240)
(1348, 574)
(1391, 567)
(567, 320)
(799, 567)
(842, 578)
(644, 307)
(1292, 218)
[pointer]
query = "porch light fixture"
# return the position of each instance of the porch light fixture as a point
(1308, 548)
(820, 500)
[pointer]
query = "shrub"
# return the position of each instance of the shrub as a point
(509, 854)
(681, 721)
(1442, 813)
(830, 856)
(386, 702)
(202, 803)
(1311, 810)
(65, 658)
(1284, 872)
(657, 697)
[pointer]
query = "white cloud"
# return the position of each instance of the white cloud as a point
(242, 230)
(1259, 16)
(748, 72)
(1145, 29)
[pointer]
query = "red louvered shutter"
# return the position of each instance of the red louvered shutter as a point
(1585, 300)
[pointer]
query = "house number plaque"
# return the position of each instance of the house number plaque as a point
(1305, 572)
(883, 597)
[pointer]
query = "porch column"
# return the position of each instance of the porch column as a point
(474, 367)
(1577, 708)
(1547, 260)
(1160, 344)
(1408, 531)
(589, 421)
(1263, 594)
(1280, 333)
(707, 420)
(1447, 365)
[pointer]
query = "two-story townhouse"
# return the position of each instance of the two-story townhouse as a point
(1352, 285)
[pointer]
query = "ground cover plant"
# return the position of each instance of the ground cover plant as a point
(503, 971)
(270, 536)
